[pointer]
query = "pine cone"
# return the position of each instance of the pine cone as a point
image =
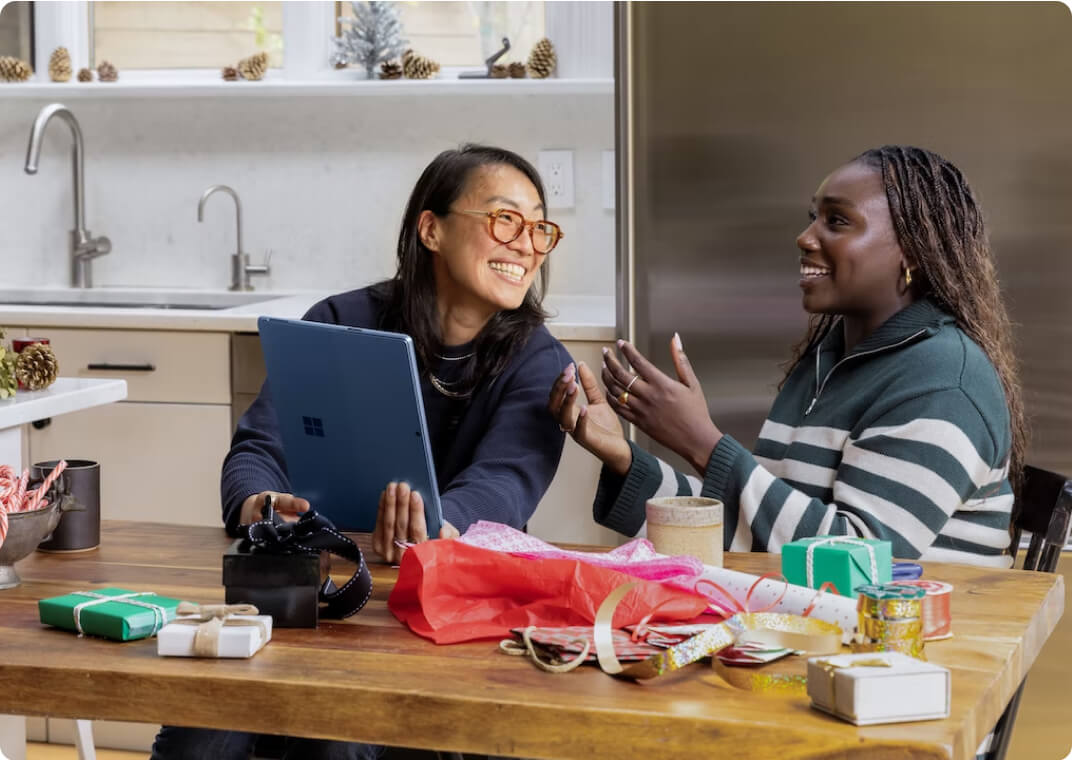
(542, 59)
(107, 72)
(36, 367)
(390, 70)
(417, 66)
(59, 65)
(498, 71)
(254, 67)
(230, 74)
(517, 70)
(8, 382)
(14, 70)
(85, 75)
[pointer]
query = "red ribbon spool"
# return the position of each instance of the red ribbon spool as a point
(937, 616)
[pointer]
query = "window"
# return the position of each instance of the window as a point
(466, 33)
(184, 35)
(16, 31)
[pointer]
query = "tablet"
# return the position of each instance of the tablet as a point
(351, 417)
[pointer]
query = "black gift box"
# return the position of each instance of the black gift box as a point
(284, 586)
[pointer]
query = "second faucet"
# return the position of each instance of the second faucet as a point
(241, 269)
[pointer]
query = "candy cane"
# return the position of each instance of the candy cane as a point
(43, 488)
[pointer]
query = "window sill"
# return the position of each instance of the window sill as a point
(202, 86)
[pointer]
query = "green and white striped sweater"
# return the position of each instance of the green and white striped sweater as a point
(906, 438)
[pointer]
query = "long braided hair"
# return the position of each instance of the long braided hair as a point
(939, 226)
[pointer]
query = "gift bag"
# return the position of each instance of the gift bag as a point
(448, 591)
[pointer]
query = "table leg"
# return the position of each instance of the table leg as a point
(12, 737)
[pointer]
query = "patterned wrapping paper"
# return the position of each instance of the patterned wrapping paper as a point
(794, 600)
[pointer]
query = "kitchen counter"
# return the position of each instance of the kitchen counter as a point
(574, 317)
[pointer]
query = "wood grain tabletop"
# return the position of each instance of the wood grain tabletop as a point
(369, 679)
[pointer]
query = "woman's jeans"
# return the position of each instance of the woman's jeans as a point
(178, 743)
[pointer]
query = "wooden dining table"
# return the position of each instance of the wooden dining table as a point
(370, 679)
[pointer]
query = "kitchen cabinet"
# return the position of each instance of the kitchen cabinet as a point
(160, 451)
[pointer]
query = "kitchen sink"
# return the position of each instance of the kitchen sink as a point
(133, 299)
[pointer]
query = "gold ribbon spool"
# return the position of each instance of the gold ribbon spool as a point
(886, 630)
(889, 608)
(210, 620)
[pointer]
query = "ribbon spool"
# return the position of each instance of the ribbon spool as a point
(937, 615)
(890, 619)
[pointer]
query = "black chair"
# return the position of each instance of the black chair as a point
(1045, 511)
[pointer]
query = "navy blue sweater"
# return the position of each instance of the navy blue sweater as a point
(495, 453)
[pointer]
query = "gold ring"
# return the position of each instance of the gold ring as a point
(623, 398)
(635, 378)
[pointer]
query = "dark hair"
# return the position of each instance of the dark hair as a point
(940, 228)
(409, 298)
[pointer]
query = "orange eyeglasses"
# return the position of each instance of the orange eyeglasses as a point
(506, 226)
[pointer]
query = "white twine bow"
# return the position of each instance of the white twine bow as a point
(210, 619)
(809, 557)
(159, 613)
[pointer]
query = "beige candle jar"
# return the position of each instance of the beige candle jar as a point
(686, 525)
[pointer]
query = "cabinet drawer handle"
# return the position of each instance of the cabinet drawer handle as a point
(123, 367)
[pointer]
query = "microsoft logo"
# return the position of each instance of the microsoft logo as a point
(314, 426)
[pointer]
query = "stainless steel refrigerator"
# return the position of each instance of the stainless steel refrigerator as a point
(731, 114)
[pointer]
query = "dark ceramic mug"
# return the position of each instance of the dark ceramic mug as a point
(78, 530)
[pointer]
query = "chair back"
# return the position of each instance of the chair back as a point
(1045, 511)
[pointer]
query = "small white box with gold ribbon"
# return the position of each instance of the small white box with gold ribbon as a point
(878, 687)
(214, 630)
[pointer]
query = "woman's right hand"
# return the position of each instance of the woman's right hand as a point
(595, 426)
(286, 505)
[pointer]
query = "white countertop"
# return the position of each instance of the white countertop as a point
(574, 317)
(67, 394)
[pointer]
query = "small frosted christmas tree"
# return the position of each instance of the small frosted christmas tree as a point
(374, 36)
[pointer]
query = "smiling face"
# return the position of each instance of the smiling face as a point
(850, 261)
(472, 268)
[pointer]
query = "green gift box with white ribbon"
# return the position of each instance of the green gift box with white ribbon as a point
(843, 561)
(115, 613)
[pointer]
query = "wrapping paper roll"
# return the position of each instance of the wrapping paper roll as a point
(770, 595)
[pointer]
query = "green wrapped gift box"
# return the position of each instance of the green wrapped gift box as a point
(844, 561)
(139, 615)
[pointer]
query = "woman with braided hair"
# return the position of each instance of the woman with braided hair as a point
(900, 413)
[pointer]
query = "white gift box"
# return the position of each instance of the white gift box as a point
(176, 639)
(865, 694)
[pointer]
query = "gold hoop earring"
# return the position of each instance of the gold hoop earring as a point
(907, 277)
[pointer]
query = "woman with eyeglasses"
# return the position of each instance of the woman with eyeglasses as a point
(900, 416)
(472, 273)
(469, 287)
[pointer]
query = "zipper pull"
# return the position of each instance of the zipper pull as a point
(810, 406)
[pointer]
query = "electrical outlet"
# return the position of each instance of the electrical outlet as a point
(610, 190)
(556, 169)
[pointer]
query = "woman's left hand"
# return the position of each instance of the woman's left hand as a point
(401, 518)
(673, 412)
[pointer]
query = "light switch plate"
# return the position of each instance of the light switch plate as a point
(556, 170)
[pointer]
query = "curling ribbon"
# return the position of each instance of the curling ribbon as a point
(937, 614)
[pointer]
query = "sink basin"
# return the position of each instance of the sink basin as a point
(132, 299)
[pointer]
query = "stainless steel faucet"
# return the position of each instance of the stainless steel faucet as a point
(241, 269)
(84, 248)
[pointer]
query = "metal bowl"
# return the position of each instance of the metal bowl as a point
(25, 530)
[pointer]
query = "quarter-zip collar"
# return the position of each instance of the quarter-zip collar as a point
(922, 318)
